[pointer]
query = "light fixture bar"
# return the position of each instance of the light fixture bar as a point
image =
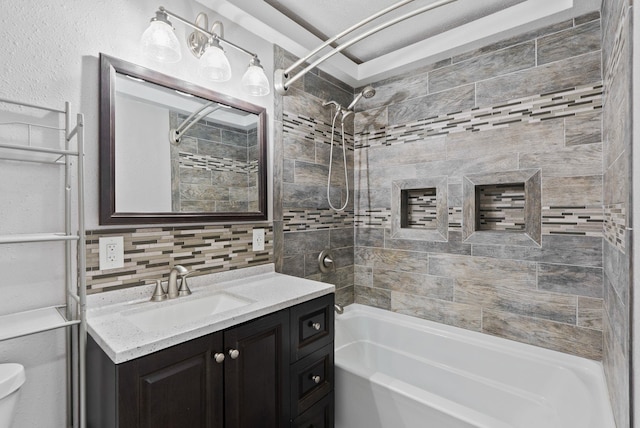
(281, 80)
(205, 32)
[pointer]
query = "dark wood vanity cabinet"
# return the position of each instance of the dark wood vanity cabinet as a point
(276, 373)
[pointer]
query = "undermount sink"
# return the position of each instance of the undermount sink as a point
(175, 313)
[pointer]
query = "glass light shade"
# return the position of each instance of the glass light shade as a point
(159, 42)
(214, 65)
(255, 82)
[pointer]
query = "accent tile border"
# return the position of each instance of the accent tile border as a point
(528, 110)
(565, 220)
(305, 219)
(311, 129)
(615, 230)
(149, 253)
(210, 163)
(573, 220)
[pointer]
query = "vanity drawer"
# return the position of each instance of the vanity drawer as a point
(311, 326)
(318, 416)
(311, 379)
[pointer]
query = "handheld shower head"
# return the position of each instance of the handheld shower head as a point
(367, 92)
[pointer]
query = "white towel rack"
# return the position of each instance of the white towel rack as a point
(72, 313)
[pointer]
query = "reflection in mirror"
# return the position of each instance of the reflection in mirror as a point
(177, 152)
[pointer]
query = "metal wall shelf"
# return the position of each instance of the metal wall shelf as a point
(73, 312)
(35, 321)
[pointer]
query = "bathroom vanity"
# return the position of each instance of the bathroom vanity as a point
(266, 363)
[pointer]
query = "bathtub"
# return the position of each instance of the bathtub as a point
(396, 371)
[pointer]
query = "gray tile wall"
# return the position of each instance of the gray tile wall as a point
(616, 49)
(214, 168)
(304, 223)
(530, 103)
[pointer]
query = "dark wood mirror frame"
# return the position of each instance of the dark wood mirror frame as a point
(109, 66)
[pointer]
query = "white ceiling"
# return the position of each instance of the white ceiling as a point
(301, 25)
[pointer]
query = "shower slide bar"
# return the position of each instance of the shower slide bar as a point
(282, 81)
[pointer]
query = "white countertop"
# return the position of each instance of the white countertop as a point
(267, 290)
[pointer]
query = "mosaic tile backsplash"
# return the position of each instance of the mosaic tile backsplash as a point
(149, 253)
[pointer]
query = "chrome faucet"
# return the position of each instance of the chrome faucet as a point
(172, 288)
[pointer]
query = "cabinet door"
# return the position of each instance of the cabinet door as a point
(178, 387)
(257, 380)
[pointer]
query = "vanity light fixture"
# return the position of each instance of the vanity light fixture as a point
(160, 43)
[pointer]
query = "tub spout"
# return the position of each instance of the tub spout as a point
(339, 309)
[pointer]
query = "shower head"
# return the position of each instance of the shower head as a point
(367, 92)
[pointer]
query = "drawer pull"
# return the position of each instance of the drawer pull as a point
(315, 325)
(234, 353)
(316, 378)
(219, 357)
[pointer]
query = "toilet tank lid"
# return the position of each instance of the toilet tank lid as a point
(11, 378)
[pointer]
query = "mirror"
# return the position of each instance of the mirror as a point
(174, 152)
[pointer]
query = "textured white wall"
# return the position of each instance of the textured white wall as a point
(49, 54)
(143, 186)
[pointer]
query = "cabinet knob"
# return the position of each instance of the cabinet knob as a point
(219, 357)
(316, 378)
(315, 325)
(234, 353)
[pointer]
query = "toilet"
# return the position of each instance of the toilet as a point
(11, 379)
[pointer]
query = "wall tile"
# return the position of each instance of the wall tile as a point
(363, 276)
(572, 161)
(590, 313)
(309, 196)
(457, 99)
(345, 296)
(616, 270)
(372, 297)
(326, 90)
(298, 148)
(617, 180)
(574, 280)
(451, 313)
(342, 237)
(572, 191)
(414, 283)
(294, 266)
(504, 298)
(497, 63)
(398, 89)
(544, 333)
(521, 138)
(456, 168)
(584, 128)
(453, 245)
(296, 243)
(406, 261)
(570, 250)
(508, 272)
(514, 40)
(569, 73)
(369, 237)
(420, 151)
(569, 43)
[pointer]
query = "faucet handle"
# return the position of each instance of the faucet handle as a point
(184, 288)
(158, 293)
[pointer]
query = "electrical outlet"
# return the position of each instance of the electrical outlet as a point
(258, 239)
(111, 251)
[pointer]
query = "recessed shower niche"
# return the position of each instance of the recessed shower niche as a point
(502, 208)
(419, 209)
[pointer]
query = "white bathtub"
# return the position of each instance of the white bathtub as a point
(395, 371)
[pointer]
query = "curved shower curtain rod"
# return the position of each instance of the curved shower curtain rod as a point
(282, 81)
